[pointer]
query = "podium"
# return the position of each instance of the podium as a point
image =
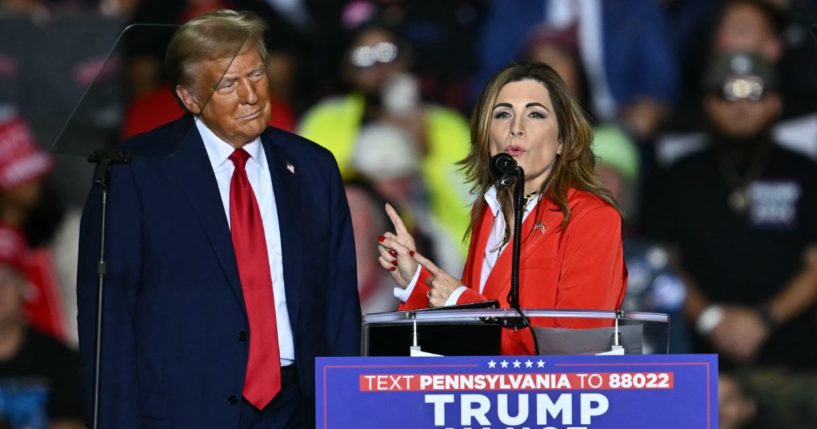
(568, 386)
(477, 332)
(542, 392)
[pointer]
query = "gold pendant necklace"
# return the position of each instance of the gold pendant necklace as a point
(739, 200)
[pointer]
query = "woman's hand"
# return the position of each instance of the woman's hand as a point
(441, 283)
(397, 250)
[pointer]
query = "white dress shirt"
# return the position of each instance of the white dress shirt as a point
(492, 249)
(258, 173)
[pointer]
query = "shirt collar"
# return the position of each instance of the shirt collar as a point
(490, 198)
(493, 202)
(219, 151)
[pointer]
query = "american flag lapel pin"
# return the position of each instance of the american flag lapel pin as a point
(540, 227)
(291, 167)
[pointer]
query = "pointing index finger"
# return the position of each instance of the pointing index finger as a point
(399, 226)
(422, 260)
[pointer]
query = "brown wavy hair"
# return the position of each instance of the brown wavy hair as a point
(574, 168)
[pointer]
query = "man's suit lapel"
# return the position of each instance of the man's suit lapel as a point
(192, 169)
(286, 187)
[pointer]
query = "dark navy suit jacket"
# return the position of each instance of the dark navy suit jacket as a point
(174, 353)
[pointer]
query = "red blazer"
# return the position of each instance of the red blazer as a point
(580, 266)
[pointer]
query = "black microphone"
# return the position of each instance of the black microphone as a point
(503, 167)
(503, 164)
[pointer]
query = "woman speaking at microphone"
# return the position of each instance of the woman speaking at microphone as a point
(571, 252)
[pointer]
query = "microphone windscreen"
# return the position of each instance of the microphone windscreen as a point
(502, 164)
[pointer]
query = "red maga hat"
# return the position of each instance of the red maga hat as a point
(21, 159)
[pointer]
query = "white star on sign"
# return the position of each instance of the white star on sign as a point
(540, 364)
(528, 364)
(504, 364)
(517, 364)
(491, 364)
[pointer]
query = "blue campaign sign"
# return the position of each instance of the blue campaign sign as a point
(517, 392)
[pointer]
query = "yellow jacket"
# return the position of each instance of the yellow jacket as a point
(334, 124)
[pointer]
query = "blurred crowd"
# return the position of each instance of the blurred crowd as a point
(705, 117)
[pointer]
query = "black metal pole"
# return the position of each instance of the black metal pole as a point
(513, 296)
(104, 160)
(100, 275)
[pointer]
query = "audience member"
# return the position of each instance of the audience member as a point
(764, 398)
(58, 49)
(390, 159)
(376, 67)
(743, 214)
(559, 48)
(40, 384)
(737, 409)
(653, 282)
(617, 40)
(49, 54)
(776, 30)
(368, 220)
(23, 169)
(441, 34)
(731, 25)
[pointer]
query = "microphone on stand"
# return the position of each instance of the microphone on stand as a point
(503, 167)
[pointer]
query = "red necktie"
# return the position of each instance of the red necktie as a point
(262, 380)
